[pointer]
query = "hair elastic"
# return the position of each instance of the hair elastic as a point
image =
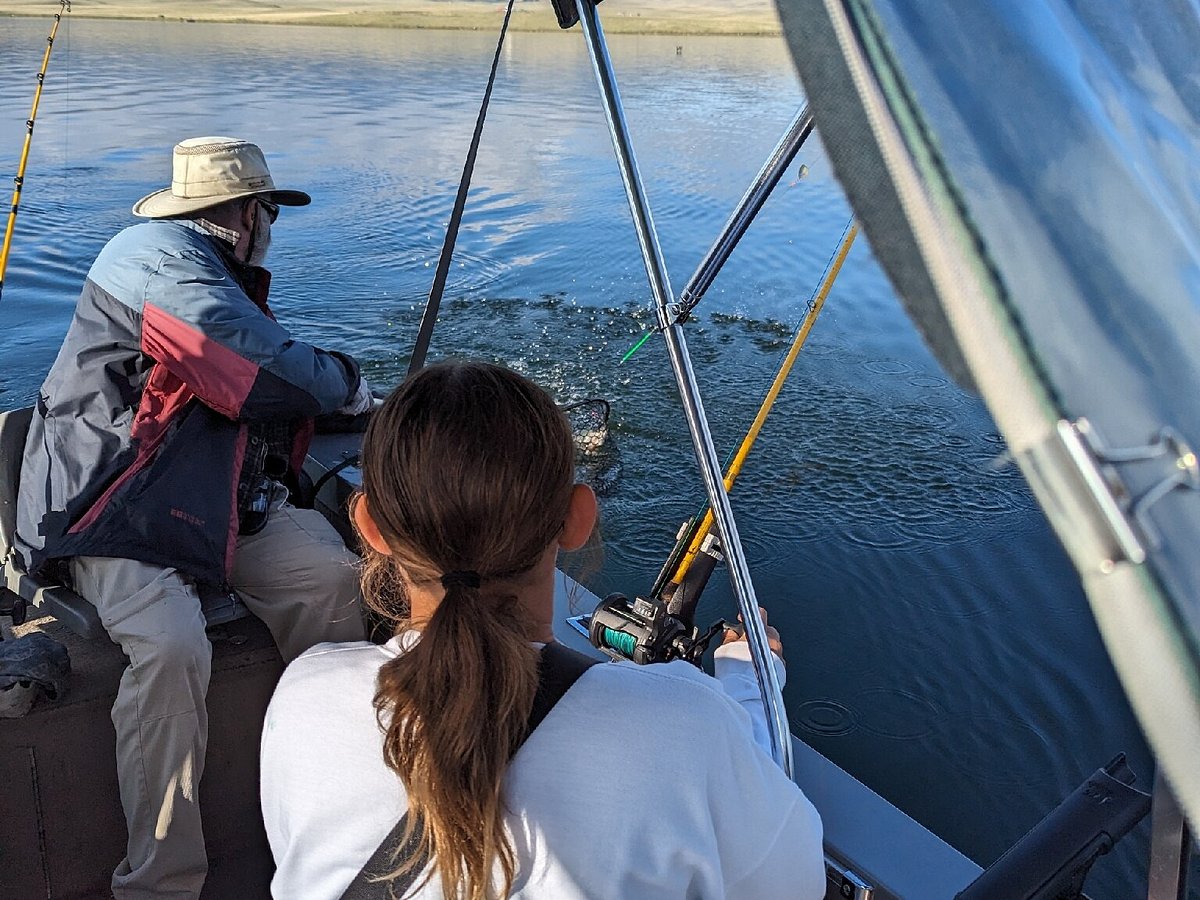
(466, 579)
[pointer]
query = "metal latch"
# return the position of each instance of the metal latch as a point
(841, 881)
(1124, 514)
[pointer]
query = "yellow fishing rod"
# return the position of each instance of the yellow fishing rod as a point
(694, 538)
(19, 181)
(661, 626)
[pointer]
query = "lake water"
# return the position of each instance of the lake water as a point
(939, 646)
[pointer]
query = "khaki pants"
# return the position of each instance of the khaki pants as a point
(298, 577)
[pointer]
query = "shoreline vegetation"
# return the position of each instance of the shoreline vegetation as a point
(693, 17)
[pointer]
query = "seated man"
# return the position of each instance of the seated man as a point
(165, 436)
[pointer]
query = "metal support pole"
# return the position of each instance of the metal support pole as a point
(748, 207)
(685, 379)
(1170, 846)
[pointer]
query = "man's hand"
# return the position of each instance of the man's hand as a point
(361, 402)
(739, 634)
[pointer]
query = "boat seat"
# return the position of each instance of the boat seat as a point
(47, 596)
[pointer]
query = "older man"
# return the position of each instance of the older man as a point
(166, 435)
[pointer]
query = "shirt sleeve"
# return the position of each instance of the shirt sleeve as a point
(769, 836)
(198, 322)
(792, 864)
(735, 672)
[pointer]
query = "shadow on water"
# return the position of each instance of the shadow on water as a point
(938, 644)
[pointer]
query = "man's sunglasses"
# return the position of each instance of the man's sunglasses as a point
(272, 209)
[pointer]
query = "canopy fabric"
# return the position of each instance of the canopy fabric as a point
(1052, 151)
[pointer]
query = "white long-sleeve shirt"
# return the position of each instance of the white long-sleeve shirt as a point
(643, 782)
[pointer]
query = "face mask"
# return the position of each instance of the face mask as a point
(260, 239)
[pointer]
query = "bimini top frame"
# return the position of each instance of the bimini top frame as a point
(685, 379)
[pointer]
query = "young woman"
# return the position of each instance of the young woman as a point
(642, 782)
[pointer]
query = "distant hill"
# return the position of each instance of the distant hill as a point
(659, 16)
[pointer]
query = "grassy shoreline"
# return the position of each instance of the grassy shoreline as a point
(641, 18)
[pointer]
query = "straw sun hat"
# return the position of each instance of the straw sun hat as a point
(207, 171)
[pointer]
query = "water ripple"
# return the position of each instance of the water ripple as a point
(1013, 747)
(827, 718)
(895, 713)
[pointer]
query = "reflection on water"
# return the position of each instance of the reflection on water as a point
(939, 647)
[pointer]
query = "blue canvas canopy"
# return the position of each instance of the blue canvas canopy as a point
(1028, 174)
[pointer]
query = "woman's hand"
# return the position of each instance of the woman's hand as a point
(739, 634)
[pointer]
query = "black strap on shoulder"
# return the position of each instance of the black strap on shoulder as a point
(429, 317)
(558, 669)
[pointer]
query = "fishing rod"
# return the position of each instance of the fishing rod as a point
(429, 317)
(696, 534)
(589, 417)
(748, 207)
(19, 181)
(692, 539)
(685, 378)
(743, 214)
(661, 626)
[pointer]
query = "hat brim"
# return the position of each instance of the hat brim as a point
(163, 204)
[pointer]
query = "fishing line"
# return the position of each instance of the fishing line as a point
(67, 105)
(634, 349)
(19, 180)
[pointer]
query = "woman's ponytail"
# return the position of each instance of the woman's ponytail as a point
(468, 469)
(459, 705)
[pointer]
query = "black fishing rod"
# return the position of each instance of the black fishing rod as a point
(745, 212)
(589, 417)
(19, 181)
(739, 221)
(437, 289)
(592, 441)
(429, 317)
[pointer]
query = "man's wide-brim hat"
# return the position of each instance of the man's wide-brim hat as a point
(207, 171)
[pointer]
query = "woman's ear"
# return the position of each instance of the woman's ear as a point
(581, 518)
(366, 526)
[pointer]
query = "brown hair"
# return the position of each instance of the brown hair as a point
(467, 467)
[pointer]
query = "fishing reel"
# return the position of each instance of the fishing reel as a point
(661, 628)
(645, 632)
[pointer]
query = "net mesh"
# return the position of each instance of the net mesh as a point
(597, 456)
